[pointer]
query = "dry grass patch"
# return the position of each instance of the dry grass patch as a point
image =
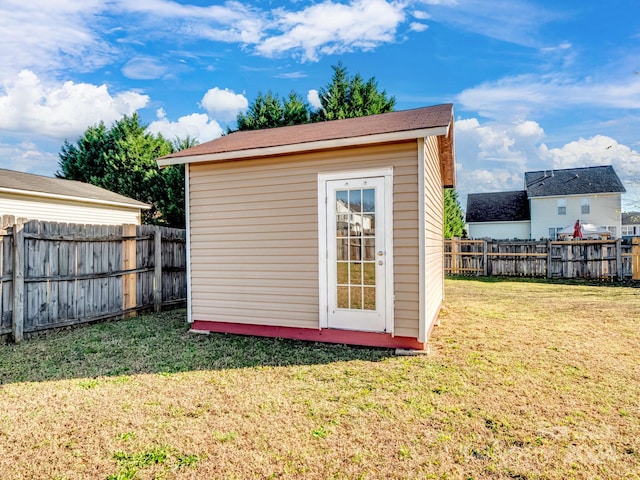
(527, 380)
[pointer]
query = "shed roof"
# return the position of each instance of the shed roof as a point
(573, 181)
(41, 186)
(498, 207)
(382, 128)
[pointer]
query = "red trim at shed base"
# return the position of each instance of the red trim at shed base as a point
(349, 337)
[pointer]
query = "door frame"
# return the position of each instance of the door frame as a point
(323, 252)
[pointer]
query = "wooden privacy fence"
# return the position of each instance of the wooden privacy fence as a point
(56, 275)
(588, 259)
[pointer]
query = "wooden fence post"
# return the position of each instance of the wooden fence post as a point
(157, 271)
(485, 257)
(129, 294)
(548, 258)
(635, 258)
(17, 316)
(454, 256)
(619, 271)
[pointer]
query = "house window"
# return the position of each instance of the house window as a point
(553, 232)
(613, 231)
(562, 206)
(627, 230)
(585, 205)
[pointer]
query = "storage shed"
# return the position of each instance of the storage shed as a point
(327, 231)
(36, 197)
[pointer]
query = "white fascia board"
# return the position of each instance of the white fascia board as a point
(309, 146)
(31, 193)
(542, 197)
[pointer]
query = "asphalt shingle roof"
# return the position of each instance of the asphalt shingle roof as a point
(573, 181)
(28, 182)
(392, 122)
(498, 207)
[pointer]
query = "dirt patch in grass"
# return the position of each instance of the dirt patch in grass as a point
(527, 380)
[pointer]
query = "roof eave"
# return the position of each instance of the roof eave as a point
(56, 196)
(307, 146)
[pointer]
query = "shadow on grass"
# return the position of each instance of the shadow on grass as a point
(159, 343)
(548, 281)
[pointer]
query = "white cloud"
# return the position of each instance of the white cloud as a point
(144, 68)
(224, 104)
(44, 35)
(330, 28)
(597, 150)
(418, 27)
(520, 96)
(514, 21)
(292, 75)
(529, 129)
(421, 15)
(196, 125)
(560, 47)
(61, 110)
(314, 98)
(231, 22)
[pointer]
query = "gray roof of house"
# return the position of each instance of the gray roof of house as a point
(630, 218)
(28, 183)
(573, 181)
(498, 207)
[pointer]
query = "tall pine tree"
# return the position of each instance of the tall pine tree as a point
(453, 217)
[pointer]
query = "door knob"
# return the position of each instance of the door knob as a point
(380, 253)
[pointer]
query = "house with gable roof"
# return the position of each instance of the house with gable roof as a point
(630, 224)
(36, 197)
(555, 200)
(499, 215)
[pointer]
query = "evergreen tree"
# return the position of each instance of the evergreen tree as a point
(453, 217)
(122, 159)
(342, 97)
(348, 97)
(268, 111)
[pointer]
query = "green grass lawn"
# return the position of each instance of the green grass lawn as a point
(526, 380)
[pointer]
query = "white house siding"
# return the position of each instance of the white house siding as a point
(254, 235)
(66, 211)
(433, 204)
(605, 211)
(500, 230)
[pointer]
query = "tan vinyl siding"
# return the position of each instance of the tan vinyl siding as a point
(66, 211)
(434, 222)
(254, 235)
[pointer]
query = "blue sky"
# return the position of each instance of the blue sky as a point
(536, 84)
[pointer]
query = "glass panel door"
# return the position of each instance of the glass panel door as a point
(356, 254)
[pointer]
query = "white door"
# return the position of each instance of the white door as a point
(356, 254)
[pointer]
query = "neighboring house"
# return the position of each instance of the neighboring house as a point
(329, 231)
(35, 197)
(631, 224)
(560, 197)
(498, 215)
(555, 200)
